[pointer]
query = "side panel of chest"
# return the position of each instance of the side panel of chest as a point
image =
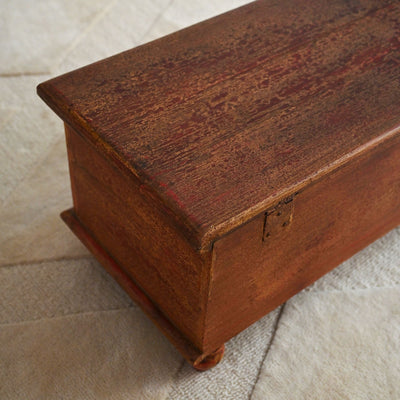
(137, 234)
(271, 258)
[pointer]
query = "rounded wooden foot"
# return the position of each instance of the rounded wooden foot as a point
(208, 361)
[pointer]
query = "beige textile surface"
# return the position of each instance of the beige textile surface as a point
(67, 331)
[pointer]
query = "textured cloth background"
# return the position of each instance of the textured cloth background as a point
(67, 331)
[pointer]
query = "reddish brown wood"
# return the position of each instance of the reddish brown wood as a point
(199, 360)
(332, 219)
(221, 126)
(208, 361)
(227, 166)
(140, 237)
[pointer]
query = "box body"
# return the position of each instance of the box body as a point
(221, 169)
(138, 234)
(332, 219)
(210, 296)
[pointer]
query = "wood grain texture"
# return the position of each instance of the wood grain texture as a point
(200, 361)
(140, 237)
(225, 167)
(332, 219)
(223, 119)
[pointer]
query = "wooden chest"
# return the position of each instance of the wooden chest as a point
(219, 170)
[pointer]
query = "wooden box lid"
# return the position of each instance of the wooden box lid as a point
(220, 120)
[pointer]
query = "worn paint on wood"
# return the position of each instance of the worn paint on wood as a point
(219, 170)
(223, 118)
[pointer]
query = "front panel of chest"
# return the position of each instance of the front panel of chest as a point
(262, 264)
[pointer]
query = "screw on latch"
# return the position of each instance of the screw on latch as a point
(278, 217)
